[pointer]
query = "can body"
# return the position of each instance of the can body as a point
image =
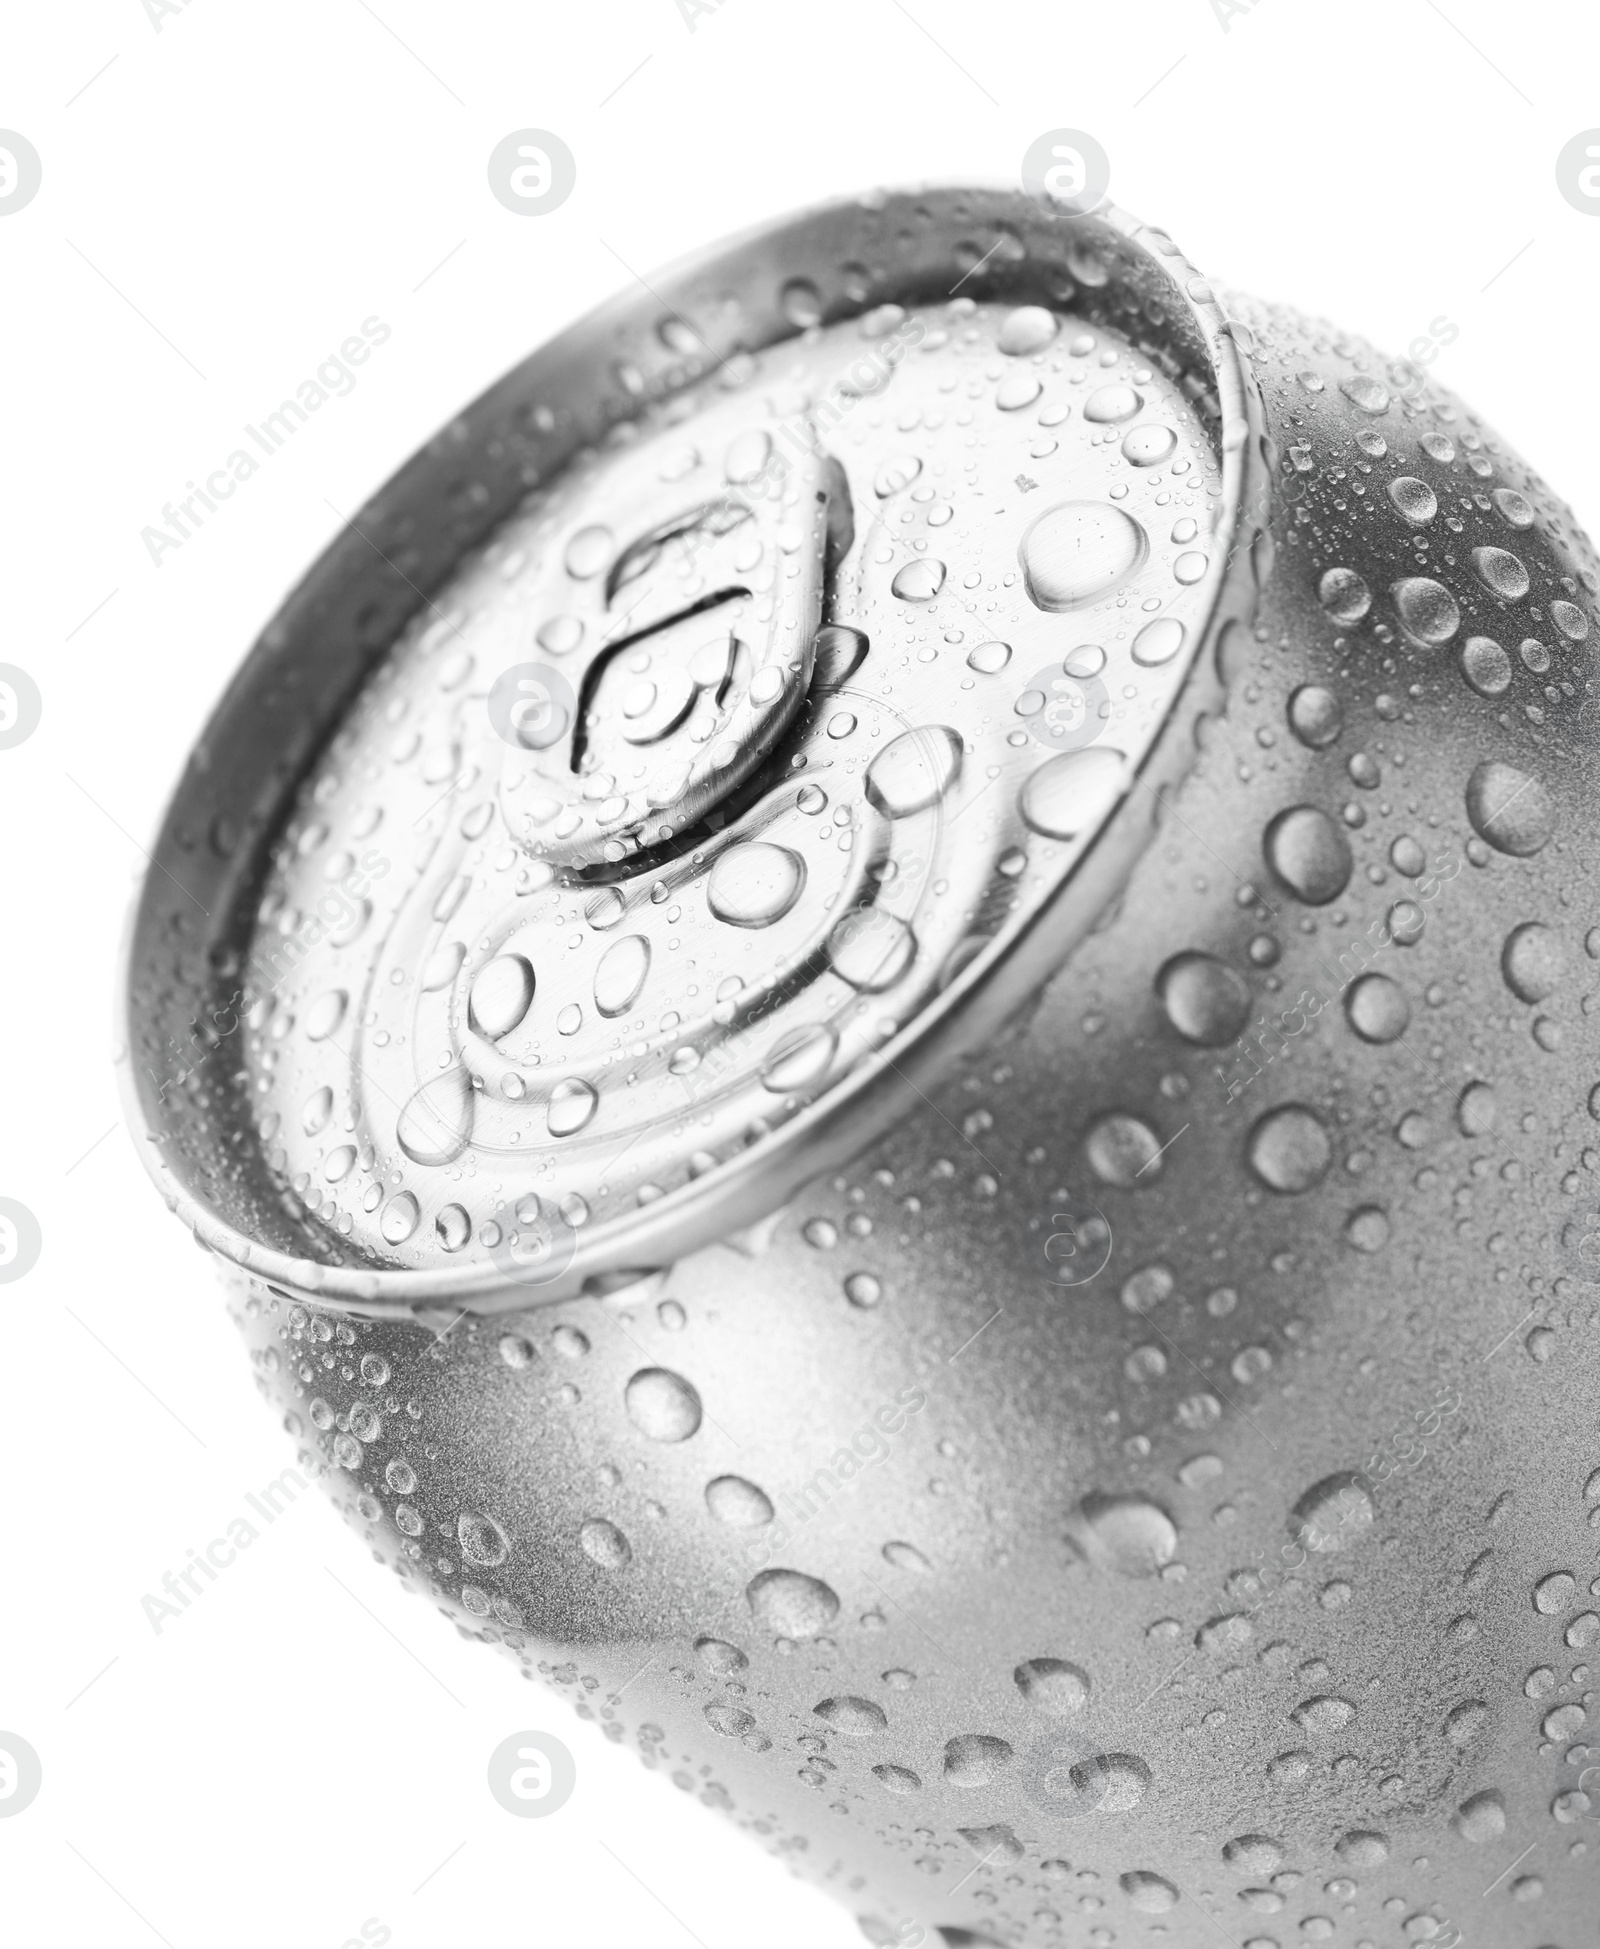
(1153, 1484)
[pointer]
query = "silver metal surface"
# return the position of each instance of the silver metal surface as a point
(1129, 1465)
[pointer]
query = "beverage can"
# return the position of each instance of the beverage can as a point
(880, 1000)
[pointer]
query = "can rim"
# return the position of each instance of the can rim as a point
(864, 1106)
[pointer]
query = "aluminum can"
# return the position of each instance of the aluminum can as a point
(882, 1000)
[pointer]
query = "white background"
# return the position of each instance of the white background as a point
(223, 204)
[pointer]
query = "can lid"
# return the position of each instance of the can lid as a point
(804, 652)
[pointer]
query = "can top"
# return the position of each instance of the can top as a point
(804, 648)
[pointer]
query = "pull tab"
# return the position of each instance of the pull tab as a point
(677, 640)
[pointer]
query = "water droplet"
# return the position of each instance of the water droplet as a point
(1029, 328)
(502, 993)
(801, 303)
(620, 975)
(1309, 854)
(1224, 1636)
(1406, 921)
(747, 455)
(1016, 390)
(605, 1544)
(560, 635)
(914, 771)
(1125, 1533)
(662, 1404)
(1254, 1854)
(1366, 394)
(1481, 1817)
(1108, 1783)
(1316, 715)
(919, 580)
(1073, 791)
(1159, 642)
(1532, 961)
(898, 1779)
(1377, 1008)
(1123, 1150)
(1289, 1149)
(1344, 595)
(1367, 1228)
(738, 1503)
(325, 1014)
(790, 1604)
(1552, 1594)
(1323, 1716)
(718, 1656)
(1149, 446)
(1465, 1721)
(753, 884)
(975, 1759)
(871, 949)
(1486, 666)
(1206, 1001)
(1333, 1514)
(863, 1290)
(1429, 614)
(572, 1103)
(1052, 1686)
(800, 1058)
(401, 1217)
(453, 1226)
(896, 475)
(1501, 572)
(837, 652)
(315, 1111)
(988, 659)
(436, 1125)
(1150, 1893)
(588, 552)
(482, 1539)
(854, 1718)
(1362, 1847)
(1110, 405)
(1475, 1110)
(1079, 551)
(1415, 499)
(1509, 809)
(732, 1721)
